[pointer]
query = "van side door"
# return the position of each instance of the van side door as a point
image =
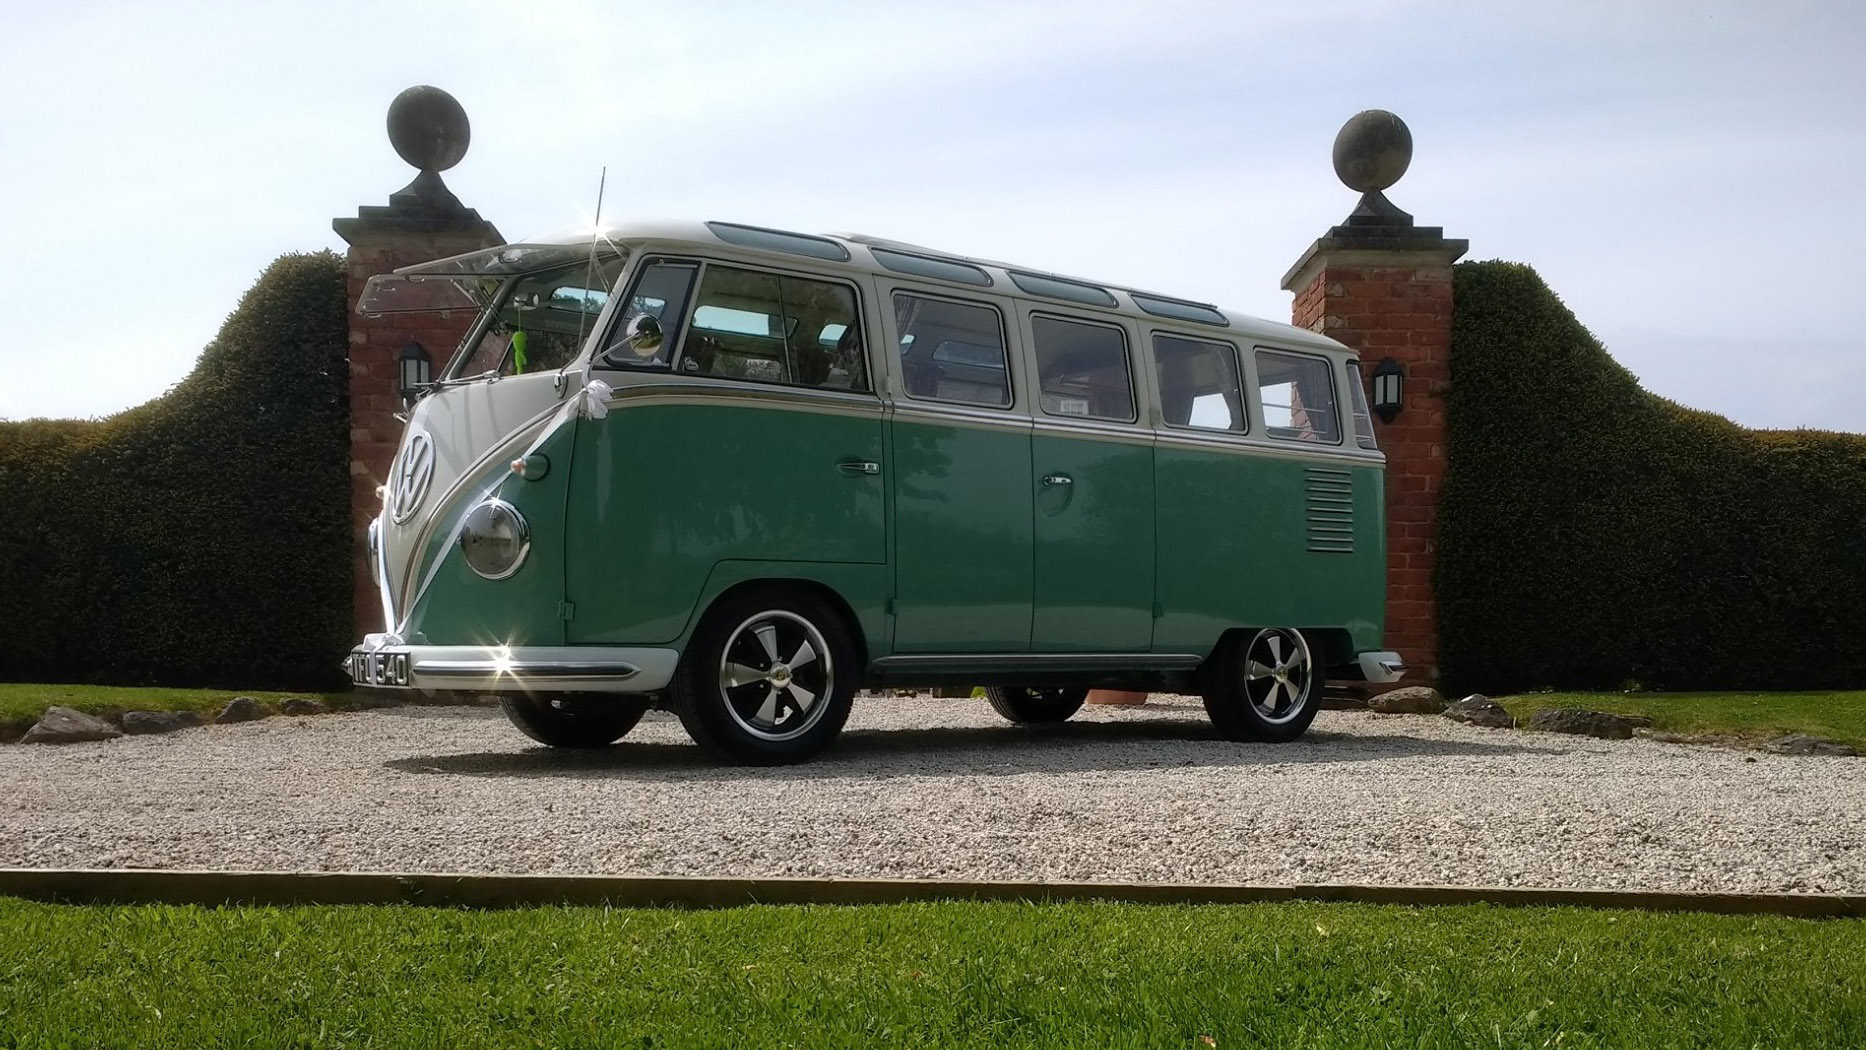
(960, 450)
(749, 432)
(1092, 472)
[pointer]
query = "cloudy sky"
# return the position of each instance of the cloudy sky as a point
(1685, 175)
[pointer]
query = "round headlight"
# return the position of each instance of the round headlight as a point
(494, 538)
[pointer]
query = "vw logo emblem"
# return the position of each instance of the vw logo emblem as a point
(413, 470)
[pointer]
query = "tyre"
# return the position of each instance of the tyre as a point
(1266, 685)
(574, 719)
(1036, 706)
(768, 678)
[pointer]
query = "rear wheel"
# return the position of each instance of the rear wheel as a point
(574, 719)
(768, 678)
(1265, 686)
(1036, 706)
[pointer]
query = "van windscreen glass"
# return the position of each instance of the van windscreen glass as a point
(539, 322)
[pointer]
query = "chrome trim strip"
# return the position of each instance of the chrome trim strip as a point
(672, 390)
(532, 669)
(974, 419)
(1124, 433)
(1246, 445)
(1045, 661)
(728, 392)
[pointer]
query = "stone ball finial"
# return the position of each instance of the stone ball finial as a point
(428, 128)
(1372, 150)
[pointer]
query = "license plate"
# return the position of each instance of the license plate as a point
(385, 668)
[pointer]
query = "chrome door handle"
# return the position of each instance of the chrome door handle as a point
(855, 468)
(1057, 479)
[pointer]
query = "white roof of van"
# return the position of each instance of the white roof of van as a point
(572, 244)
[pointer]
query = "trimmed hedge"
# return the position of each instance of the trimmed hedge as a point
(202, 538)
(1595, 536)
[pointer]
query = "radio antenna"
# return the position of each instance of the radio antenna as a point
(596, 232)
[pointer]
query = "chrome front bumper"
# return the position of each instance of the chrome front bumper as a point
(381, 664)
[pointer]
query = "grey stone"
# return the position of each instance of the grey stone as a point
(1808, 744)
(144, 723)
(62, 725)
(1411, 700)
(1582, 722)
(298, 705)
(240, 709)
(1480, 710)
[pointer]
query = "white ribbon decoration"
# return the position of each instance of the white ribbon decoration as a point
(593, 402)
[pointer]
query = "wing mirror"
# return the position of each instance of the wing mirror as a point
(643, 338)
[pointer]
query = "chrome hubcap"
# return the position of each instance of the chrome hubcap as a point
(1277, 674)
(774, 674)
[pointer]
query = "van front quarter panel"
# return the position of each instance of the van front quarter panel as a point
(686, 474)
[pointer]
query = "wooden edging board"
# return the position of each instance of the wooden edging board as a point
(152, 886)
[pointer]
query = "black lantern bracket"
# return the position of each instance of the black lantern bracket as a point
(1389, 383)
(415, 370)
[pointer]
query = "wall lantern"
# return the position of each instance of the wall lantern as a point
(417, 369)
(1389, 387)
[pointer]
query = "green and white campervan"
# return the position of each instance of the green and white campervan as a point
(742, 473)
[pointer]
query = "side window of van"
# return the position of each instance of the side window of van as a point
(1082, 369)
(773, 328)
(1357, 400)
(1296, 394)
(951, 351)
(659, 294)
(1199, 383)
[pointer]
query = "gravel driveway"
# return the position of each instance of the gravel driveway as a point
(944, 788)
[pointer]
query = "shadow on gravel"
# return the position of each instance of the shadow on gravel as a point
(969, 751)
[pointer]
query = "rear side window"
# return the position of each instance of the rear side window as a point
(1082, 369)
(951, 351)
(1199, 384)
(1296, 396)
(773, 328)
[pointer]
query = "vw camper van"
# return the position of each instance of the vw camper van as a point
(742, 473)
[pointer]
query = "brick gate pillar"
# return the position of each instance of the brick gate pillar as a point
(422, 221)
(1382, 285)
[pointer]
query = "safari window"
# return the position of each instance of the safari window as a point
(772, 328)
(1199, 384)
(645, 330)
(1296, 395)
(1082, 369)
(951, 351)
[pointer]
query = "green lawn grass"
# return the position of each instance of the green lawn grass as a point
(948, 974)
(21, 703)
(1838, 715)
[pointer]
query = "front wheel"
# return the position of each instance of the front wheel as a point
(1036, 706)
(574, 719)
(768, 679)
(1267, 686)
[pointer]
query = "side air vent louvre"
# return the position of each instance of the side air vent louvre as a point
(1328, 499)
